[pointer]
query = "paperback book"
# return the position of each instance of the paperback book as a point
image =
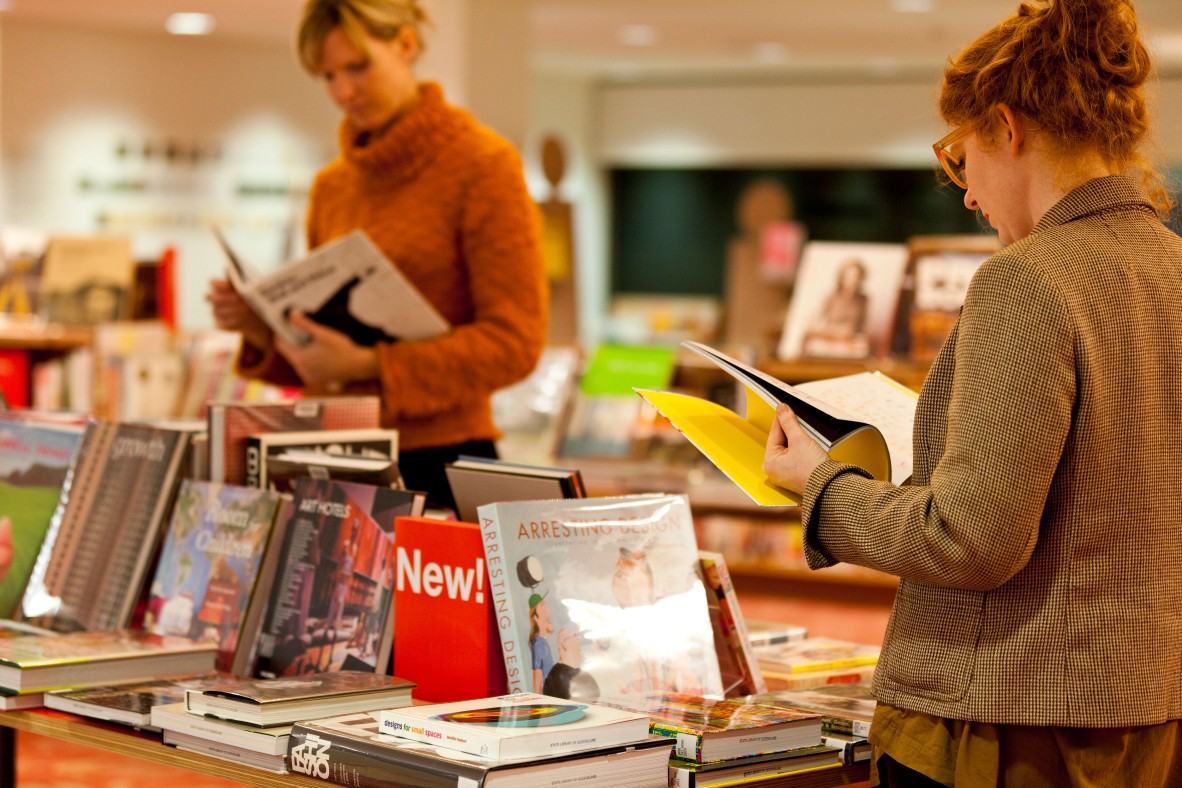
(106, 529)
(373, 443)
(516, 726)
(863, 419)
(442, 588)
(38, 663)
(208, 569)
(476, 481)
(329, 608)
(708, 729)
(600, 597)
(346, 284)
(128, 703)
(231, 422)
(34, 462)
(351, 750)
(266, 702)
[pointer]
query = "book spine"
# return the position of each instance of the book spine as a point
(254, 462)
(515, 653)
(344, 760)
(687, 746)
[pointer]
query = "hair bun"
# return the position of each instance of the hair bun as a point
(1102, 33)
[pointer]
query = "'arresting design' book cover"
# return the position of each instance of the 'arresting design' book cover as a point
(600, 597)
(209, 566)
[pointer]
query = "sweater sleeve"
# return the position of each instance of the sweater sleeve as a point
(975, 525)
(500, 246)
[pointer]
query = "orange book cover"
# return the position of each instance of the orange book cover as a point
(442, 605)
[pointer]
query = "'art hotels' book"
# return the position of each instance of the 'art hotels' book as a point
(516, 727)
(600, 597)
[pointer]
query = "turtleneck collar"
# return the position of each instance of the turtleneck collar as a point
(409, 143)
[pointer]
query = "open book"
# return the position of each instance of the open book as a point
(863, 419)
(346, 284)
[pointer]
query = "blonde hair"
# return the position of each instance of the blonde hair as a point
(357, 19)
(1076, 69)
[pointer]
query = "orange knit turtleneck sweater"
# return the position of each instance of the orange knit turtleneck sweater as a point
(445, 199)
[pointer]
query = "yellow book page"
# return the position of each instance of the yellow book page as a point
(734, 444)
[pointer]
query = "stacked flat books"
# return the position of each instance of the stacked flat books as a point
(129, 703)
(720, 742)
(847, 711)
(815, 662)
(251, 745)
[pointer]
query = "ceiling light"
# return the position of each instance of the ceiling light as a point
(913, 6)
(189, 24)
(638, 35)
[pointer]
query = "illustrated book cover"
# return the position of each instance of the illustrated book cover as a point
(346, 284)
(285, 700)
(736, 657)
(351, 750)
(476, 481)
(34, 462)
(128, 703)
(330, 605)
(231, 422)
(442, 588)
(600, 596)
(106, 529)
(37, 663)
(844, 708)
(843, 301)
(516, 726)
(261, 448)
(863, 419)
(208, 569)
(87, 279)
(710, 729)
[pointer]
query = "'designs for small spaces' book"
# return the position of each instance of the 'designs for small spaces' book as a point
(864, 419)
(442, 589)
(600, 597)
(106, 530)
(513, 727)
(208, 569)
(346, 284)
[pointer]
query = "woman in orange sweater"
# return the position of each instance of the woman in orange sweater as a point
(445, 199)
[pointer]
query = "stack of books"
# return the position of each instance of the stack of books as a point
(815, 662)
(250, 721)
(721, 742)
(846, 710)
(523, 740)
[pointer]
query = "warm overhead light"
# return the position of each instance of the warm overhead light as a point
(638, 35)
(771, 52)
(189, 24)
(913, 6)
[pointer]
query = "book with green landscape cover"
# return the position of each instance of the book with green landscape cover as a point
(863, 419)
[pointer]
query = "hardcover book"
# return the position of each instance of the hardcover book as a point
(260, 747)
(106, 529)
(817, 653)
(266, 702)
(600, 597)
(760, 770)
(34, 462)
(476, 481)
(844, 708)
(37, 663)
(128, 703)
(779, 678)
(708, 729)
(231, 422)
(442, 589)
(351, 750)
(517, 726)
(863, 419)
(374, 443)
(736, 657)
(208, 569)
(285, 469)
(329, 607)
(346, 284)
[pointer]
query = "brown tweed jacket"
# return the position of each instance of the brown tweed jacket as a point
(1040, 546)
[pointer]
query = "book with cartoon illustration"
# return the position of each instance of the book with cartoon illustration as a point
(600, 597)
(516, 726)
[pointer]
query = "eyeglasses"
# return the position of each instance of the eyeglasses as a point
(953, 165)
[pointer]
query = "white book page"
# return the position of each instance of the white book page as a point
(877, 400)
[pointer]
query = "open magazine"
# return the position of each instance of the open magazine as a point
(346, 284)
(863, 419)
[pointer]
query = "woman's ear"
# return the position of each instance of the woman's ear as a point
(1012, 127)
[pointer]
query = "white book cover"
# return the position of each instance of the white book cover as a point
(516, 726)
